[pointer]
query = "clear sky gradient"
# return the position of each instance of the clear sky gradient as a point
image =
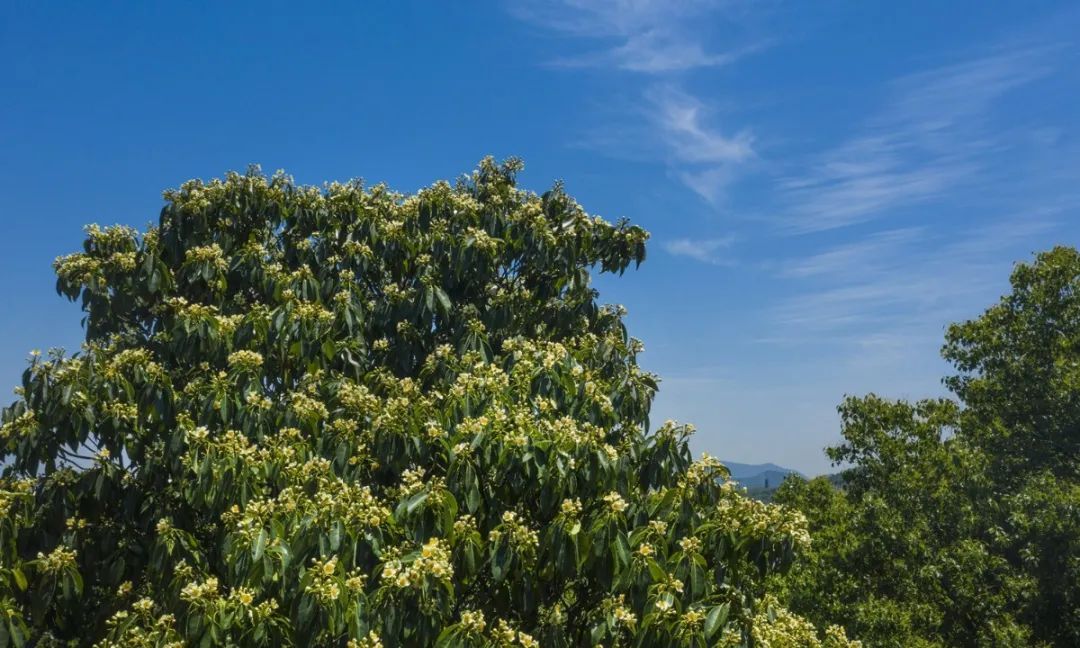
(828, 184)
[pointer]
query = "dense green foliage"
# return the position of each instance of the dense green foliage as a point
(345, 416)
(959, 522)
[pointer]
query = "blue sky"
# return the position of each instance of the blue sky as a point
(827, 184)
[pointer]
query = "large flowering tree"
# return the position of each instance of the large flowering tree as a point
(349, 416)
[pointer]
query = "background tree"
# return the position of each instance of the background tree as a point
(1019, 372)
(349, 416)
(958, 523)
(902, 555)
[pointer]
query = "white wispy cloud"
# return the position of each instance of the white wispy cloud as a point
(704, 250)
(710, 183)
(899, 287)
(932, 137)
(652, 52)
(677, 129)
(851, 257)
(664, 41)
(944, 141)
(681, 117)
(647, 36)
(698, 154)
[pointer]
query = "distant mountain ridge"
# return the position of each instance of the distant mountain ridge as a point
(758, 476)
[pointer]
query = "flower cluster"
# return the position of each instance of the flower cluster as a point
(21, 425)
(504, 635)
(464, 525)
(704, 470)
(134, 360)
(12, 491)
(433, 561)
(307, 408)
(198, 593)
(138, 628)
(742, 515)
(110, 237)
(523, 539)
(208, 254)
(570, 509)
(615, 607)
(245, 361)
(127, 412)
(658, 529)
(121, 261)
(690, 622)
(324, 583)
(615, 503)
(234, 445)
(775, 627)
(472, 622)
(371, 640)
(690, 545)
(242, 595)
(77, 268)
(258, 401)
(57, 560)
(311, 312)
(416, 480)
(190, 312)
(357, 399)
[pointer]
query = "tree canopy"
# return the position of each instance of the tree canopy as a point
(959, 520)
(347, 416)
(1019, 371)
